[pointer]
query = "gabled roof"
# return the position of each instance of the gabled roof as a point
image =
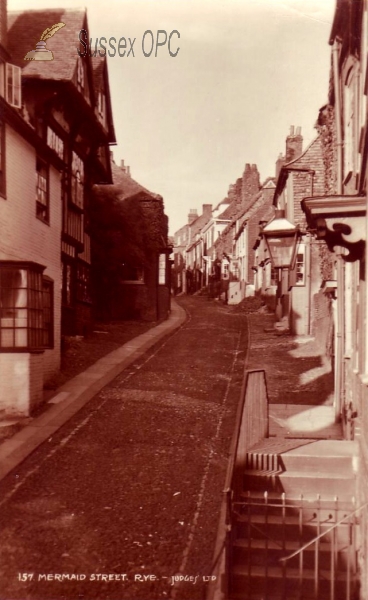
(101, 83)
(304, 162)
(24, 31)
(197, 225)
(127, 187)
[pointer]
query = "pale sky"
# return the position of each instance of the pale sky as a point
(246, 71)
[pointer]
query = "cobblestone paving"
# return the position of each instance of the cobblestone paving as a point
(126, 496)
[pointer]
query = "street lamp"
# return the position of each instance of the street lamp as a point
(281, 238)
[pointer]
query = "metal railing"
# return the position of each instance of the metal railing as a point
(251, 426)
(327, 559)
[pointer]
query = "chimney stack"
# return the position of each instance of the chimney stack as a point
(124, 168)
(250, 183)
(207, 210)
(294, 144)
(193, 214)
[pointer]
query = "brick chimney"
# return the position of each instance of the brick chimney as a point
(279, 164)
(193, 214)
(294, 144)
(124, 168)
(250, 183)
(3, 23)
(207, 210)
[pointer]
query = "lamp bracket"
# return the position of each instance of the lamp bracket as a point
(339, 221)
(346, 232)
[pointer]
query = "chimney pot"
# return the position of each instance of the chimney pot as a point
(122, 163)
(298, 131)
(294, 145)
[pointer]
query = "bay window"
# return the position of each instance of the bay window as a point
(26, 319)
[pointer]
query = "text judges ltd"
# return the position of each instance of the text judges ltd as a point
(124, 47)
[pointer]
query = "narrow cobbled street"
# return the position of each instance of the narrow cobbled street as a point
(126, 497)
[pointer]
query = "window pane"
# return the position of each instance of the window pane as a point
(9, 76)
(2, 79)
(7, 338)
(20, 338)
(42, 193)
(17, 87)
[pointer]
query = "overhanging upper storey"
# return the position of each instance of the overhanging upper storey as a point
(339, 221)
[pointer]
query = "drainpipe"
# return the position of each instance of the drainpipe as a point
(339, 142)
(339, 359)
(308, 269)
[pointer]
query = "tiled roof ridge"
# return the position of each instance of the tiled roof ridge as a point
(129, 178)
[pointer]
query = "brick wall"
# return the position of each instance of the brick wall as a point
(23, 236)
(306, 184)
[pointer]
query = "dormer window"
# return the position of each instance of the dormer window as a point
(80, 75)
(101, 104)
(10, 84)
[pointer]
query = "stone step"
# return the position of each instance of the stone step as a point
(294, 482)
(293, 421)
(277, 528)
(285, 582)
(259, 552)
(322, 456)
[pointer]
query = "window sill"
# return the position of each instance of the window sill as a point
(132, 282)
(22, 350)
(45, 221)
